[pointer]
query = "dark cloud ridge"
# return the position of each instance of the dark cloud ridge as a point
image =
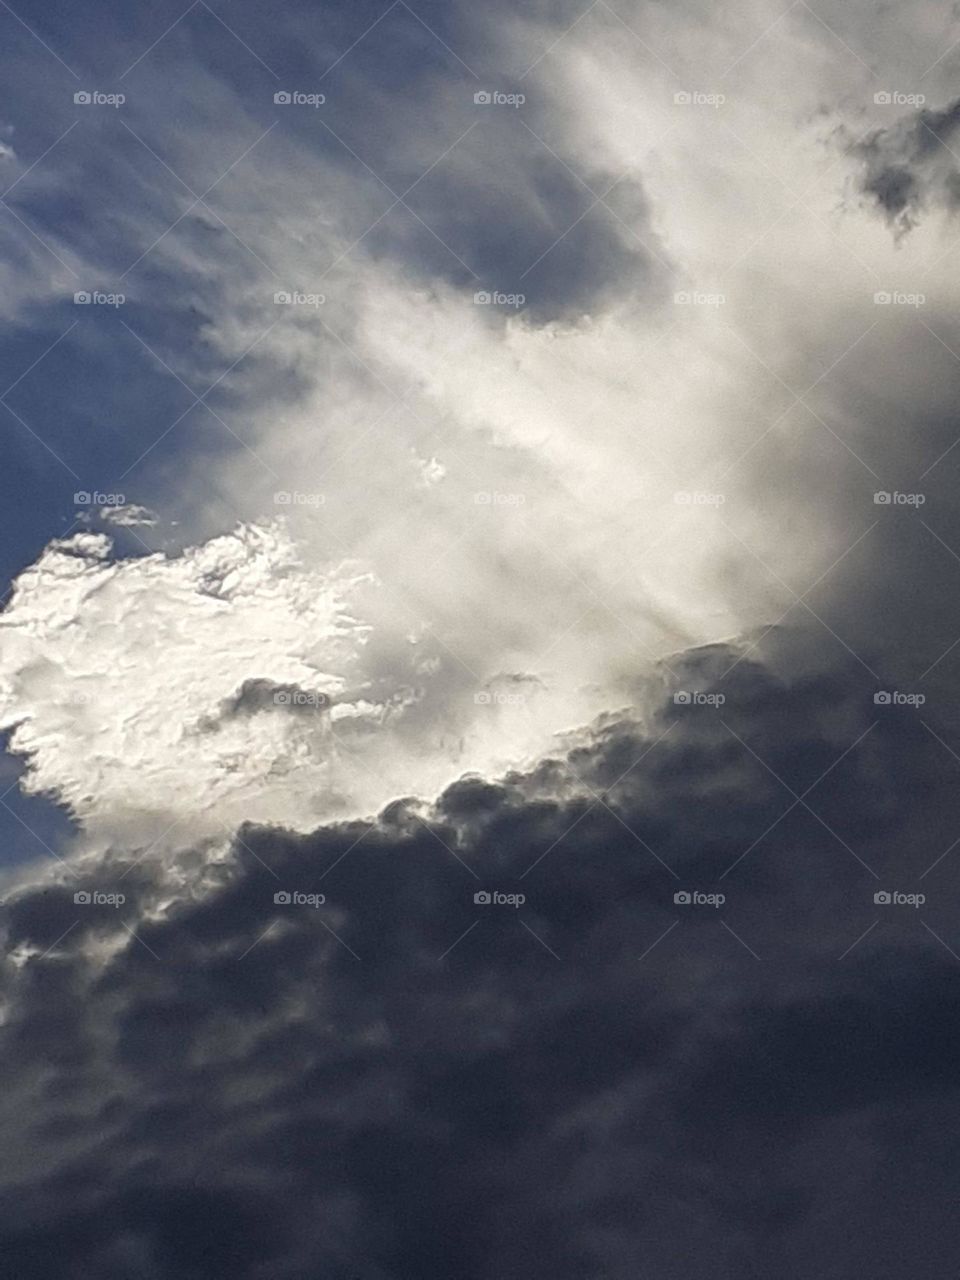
(403, 1082)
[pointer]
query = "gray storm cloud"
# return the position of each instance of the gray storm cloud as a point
(584, 1074)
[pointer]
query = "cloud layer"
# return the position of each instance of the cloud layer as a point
(404, 1080)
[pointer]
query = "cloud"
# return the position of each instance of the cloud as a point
(129, 516)
(503, 520)
(401, 1080)
(912, 166)
(109, 724)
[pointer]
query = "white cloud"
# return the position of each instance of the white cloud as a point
(129, 516)
(555, 544)
(109, 669)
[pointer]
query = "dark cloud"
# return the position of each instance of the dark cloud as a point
(258, 694)
(912, 166)
(400, 1081)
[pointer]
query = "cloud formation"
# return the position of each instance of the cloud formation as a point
(912, 166)
(567, 482)
(323, 1053)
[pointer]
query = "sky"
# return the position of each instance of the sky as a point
(479, 640)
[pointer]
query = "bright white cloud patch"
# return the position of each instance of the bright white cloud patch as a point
(234, 682)
(129, 516)
(117, 678)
